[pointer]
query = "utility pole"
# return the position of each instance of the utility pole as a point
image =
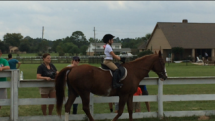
(42, 32)
(95, 40)
(42, 37)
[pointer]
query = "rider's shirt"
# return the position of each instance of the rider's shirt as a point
(107, 51)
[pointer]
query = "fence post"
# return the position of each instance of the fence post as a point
(15, 93)
(160, 99)
(11, 97)
(91, 104)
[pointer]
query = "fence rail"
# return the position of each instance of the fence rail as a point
(14, 101)
(67, 59)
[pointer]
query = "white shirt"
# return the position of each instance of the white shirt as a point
(107, 51)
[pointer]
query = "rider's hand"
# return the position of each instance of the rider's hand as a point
(122, 59)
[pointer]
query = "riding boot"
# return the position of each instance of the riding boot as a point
(116, 79)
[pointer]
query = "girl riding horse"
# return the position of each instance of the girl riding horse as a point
(85, 79)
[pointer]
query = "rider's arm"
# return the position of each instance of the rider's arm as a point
(115, 56)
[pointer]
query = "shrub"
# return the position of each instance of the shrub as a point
(39, 54)
(61, 53)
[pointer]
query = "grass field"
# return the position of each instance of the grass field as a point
(174, 70)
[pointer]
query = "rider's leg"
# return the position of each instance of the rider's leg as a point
(115, 70)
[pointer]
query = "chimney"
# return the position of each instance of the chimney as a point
(184, 21)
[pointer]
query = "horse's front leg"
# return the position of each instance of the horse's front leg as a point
(85, 96)
(122, 100)
(130, 107)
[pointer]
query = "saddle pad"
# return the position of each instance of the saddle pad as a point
(123, 77)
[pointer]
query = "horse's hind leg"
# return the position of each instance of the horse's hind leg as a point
(68, 104)
(130, 107)
(85, 96)
(122, 100)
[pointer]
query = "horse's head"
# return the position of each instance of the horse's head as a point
(159, 67)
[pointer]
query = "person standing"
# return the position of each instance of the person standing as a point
(75, 62)
(3, 66)
(47, 71)
(12, 62)
(206, 56)
(145, 92)
(136, 105)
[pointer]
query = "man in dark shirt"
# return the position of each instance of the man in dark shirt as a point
(12, 62)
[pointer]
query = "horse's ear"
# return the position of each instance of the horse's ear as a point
(159, 53)
(156, 52)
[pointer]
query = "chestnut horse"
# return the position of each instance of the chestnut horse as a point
(84, 79)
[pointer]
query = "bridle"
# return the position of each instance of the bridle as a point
(161, 73)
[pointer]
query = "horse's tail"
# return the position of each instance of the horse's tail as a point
(60, 82)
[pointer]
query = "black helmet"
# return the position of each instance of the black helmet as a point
(107, 37)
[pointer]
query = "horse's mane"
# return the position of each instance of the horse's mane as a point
(141, 58)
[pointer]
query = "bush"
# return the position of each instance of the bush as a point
(39, 54)
(61, 53)
(146, 52)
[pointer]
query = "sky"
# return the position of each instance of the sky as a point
(123, 19)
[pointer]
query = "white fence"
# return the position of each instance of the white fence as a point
(14, 101)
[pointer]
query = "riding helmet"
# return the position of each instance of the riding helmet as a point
(107, 37)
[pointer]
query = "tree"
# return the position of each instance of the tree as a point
(13, 39)
(116, 40)
(24, 45)
(147, 36)
(55, 44)
(146, 52)
(78, 38)
(43, 46)
(83, 49)
(91, 40)
(68, 48)
(4, 47)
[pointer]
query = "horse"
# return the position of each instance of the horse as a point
(83, 79)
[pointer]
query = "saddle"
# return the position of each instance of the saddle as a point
(122, 73)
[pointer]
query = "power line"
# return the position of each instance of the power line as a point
(117, 32)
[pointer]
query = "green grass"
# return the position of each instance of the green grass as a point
(174, 70)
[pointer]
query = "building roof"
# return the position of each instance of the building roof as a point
(188, 35)
(142, 46)
(13, 48)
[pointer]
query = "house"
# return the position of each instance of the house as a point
(195, 38)
(97, 49)
(142, 47)
(13, 49)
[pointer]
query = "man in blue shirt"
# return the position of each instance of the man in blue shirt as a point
(12, 62)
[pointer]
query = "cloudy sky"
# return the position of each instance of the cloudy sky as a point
(124, 19)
